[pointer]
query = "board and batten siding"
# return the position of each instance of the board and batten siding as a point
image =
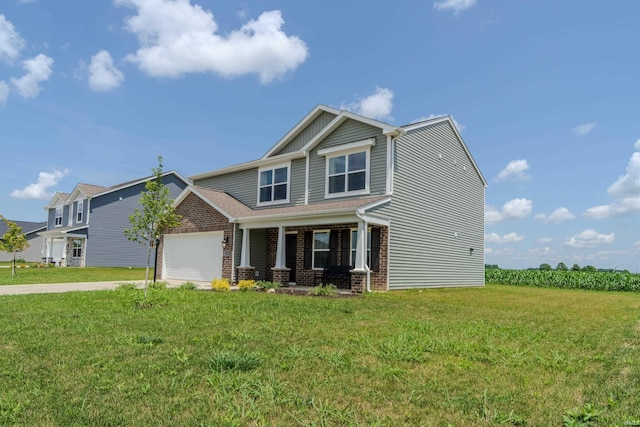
(107, 246)
(349, 131)
(436, 213)
(309, 132)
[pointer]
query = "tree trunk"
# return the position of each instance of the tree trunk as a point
(13, 266)
(146, 273)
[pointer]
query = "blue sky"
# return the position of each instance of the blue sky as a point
(545, 93)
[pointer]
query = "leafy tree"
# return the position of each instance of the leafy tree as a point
(13, 241)
(561, 266)
(575, 267)
(545, 266)
(491, 266)
(157, 215)
(589, 268)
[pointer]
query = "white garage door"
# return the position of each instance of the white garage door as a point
(193, 256)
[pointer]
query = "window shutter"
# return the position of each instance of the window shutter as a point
(375, 249)
(333, 247)
(308, 248)
(345, 249)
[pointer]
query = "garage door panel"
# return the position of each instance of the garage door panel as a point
(193, 256)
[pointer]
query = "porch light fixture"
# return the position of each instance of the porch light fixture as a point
(225, 241)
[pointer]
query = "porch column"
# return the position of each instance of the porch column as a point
(361, 247)
(245, 271)
(63, 258)
(245, 257)
(280, 248)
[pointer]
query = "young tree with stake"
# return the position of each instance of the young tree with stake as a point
(13, 241)
(157, 215)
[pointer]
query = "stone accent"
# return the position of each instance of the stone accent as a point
(281, 275)
(246, 273)
(198, 216)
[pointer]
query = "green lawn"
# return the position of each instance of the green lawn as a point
(498, 355)
(33, 274)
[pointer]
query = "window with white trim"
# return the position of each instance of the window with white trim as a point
(347, 173)
(57, 222)
(77, 248)
(273, 185)
(320, 249)
(79, 209)
(354, 243)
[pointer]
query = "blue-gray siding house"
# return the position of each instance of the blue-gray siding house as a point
(341, 198)
(85, 227)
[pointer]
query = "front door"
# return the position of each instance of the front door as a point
(291, 255)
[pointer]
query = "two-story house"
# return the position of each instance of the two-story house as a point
(396, 206)
(85, 227)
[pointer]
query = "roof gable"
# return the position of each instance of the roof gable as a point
(454, 129)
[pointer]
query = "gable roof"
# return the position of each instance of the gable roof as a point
(340, 117)
(454, 128)
(89, 190)
(27, 226)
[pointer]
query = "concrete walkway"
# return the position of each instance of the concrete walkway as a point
(70, 287)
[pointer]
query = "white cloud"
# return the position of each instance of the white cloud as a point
(456, 6)
(507, 238)
(559, 215)
(378, 105)
(38, 70)
(38, 190)
(10, 41)
(178, 38)
(625, 192)
(545, 240)
(583, 129)
(513, 209)
(4, 92)
(516, 169)
(103, 75)
(589, 238)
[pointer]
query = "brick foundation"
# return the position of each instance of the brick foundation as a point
(358, 281)
(281, 275)
(246, 273)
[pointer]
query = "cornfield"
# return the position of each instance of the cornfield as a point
(592, 281)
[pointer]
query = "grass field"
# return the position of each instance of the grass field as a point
(33, 274)
(498, 355)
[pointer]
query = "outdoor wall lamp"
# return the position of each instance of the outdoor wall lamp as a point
(470, 251)
(225, 241)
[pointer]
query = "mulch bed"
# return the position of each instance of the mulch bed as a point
(305, 293)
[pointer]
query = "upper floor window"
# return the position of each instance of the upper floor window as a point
(79, 210)
(348, 168)
(58, 219)
(273, 185)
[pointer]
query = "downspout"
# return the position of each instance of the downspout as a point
(366, 226)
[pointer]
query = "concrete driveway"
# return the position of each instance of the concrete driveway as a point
(69, 287)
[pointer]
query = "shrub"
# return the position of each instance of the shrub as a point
(158, 285)
(220, 285)
(324, 290)
(188, 286)
(263, 285)
(246, 285)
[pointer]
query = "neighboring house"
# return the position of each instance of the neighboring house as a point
(85, 228)
(30, 230)
(377, 206)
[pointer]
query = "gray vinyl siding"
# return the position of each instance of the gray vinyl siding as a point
(307, 134)
(349, 131)
(106, 244)
(74, 212)
(298, 168)
(32, 254)
(433, 200)
(258, 253)
(242, 185)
